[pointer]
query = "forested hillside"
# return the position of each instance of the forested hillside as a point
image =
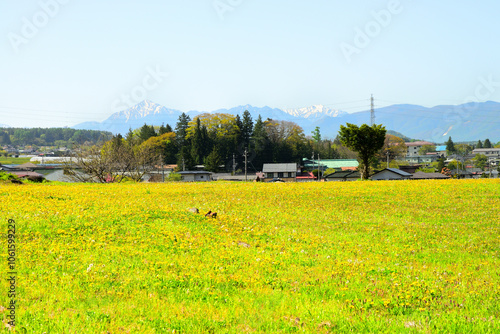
(51, 136)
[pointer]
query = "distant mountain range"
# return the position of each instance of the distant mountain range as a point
(466, 122)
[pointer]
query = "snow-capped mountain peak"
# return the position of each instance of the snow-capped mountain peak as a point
(143, 109)
(315, 111)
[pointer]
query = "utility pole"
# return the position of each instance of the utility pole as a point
(319, 169)
(234, 165)
(313, 164)
(246, 162)
(372, 112)
(162, 168)
(387, 159)
(183, 165)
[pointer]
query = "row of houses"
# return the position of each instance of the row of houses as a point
(345, 170)
(413, 154)
(292, 172)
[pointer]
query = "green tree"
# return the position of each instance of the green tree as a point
(162, 130)
(440, 164)
(365, 140)
(163, 146)
(181, 128)
(131, 138)
(426, 149)
(246, 128)
(213, 160)
(327, 150)
(454, 164)
(450, 147)
(479, 144)
(259, 143)
(316, 135)
(480, 161)
(219, 126)
(184, 160)
(394, 147)
(286, 140)
(239, 124)
(146, 132)
(329, 171)
(463, 149)
(5, 138)
(197, 144)
(487, 143)
(297, 143)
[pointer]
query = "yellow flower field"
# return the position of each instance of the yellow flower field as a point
(408, 256)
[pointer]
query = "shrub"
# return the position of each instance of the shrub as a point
(7, 176)
(174, 177)
(426, 169)
(36, 178)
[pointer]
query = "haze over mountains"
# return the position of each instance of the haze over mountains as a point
(466, 122)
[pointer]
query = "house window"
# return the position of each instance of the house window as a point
(201, 177)
(280, 174)
(270, 175)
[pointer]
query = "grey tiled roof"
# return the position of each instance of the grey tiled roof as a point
(398, 171)
(194, 172)
(271, 168)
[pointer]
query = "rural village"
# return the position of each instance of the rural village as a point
(419, 160)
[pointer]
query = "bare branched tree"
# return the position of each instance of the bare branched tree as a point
(87, 165)
(114, 161)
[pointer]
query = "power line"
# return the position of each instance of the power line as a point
(334, 104)
(372, 112)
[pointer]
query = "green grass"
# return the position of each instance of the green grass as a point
(13, 161)
(389, 257)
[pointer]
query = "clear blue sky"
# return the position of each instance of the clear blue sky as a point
(79, 60)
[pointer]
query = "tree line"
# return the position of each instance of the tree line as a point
(51, 136)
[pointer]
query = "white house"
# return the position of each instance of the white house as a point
(493, 154)
(286, 172)
(412, 148)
